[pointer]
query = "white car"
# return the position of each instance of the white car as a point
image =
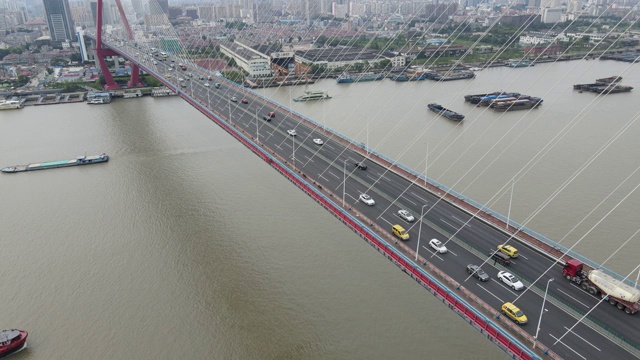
(234, 99)
(367, 199)
(510, 280)
(438, 246)
(180, 79)
(206, 84)
(318, 141)
(292, 132)
(406, 215)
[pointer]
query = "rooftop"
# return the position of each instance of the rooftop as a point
(342, 54)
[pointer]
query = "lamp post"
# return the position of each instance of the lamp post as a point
(229, 101)
(293, 147)
(426, 165)
(513, 184)
(420, 230)
(544, 299)
(344, 180)
(257, 135)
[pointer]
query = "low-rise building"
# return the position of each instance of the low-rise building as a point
(257, 65)
(341, 57)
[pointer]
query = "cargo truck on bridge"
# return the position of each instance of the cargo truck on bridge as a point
(597, 282)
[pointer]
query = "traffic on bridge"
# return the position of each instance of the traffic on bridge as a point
(443, 234)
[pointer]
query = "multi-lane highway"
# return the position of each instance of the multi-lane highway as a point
(468, 240)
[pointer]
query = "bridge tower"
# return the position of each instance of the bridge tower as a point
(101, 52)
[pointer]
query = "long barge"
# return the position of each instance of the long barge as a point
(80, 160)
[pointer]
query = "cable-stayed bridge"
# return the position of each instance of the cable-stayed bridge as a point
(575, 323)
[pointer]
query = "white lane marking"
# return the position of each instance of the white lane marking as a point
(583, 339)
(430, 250)
(576, 300)
(419, 197)
(567, 346)
(329, 146)
(405, 198)
(490, 293)
(454, 254)
(448, 224)
(329, 171)
(462, 221)
(524, 257)
(374, 179)
(385, 220)
(322, 177)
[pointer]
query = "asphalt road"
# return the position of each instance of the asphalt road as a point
(469, 241)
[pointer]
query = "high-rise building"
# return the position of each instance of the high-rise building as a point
(59, 20)
(164, 5)
(206, 12)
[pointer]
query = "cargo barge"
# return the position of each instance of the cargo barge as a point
(80, 160)
(608, 85)
(449, 114)
(476, 98)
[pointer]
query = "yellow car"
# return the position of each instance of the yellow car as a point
(514, 313)
(400, 232)
(509, 250)
(168, 76)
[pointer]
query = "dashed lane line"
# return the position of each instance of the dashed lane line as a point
(567, 346)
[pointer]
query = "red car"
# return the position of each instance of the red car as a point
(245, 101)
(272, 114)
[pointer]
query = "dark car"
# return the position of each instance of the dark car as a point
(266, 118)
(477, 272)
(500, 258)
(360, 165)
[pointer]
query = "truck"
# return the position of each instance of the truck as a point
(598, 283)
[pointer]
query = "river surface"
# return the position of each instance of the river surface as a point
(186, 246)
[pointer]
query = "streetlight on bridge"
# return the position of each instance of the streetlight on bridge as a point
(544, 299)
(344, 180)
(420, 230)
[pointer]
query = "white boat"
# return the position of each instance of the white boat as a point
(11, 104)
(98, 101)
(313, 95)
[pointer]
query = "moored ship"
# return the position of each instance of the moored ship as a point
(449, 114)
(12, 341)
(520, 104)
(489, 99)
(516, 63)
(453, 75)
(11, 104)
(609, 80)
(609, 85)
(475, 99)
(414, 77)
(80, 160)
(94, 98)
(368, 76)
(313, 95)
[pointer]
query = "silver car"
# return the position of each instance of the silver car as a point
(406, 216)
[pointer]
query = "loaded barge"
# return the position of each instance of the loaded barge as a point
(449, 114)
(80, 160)
(608, 85)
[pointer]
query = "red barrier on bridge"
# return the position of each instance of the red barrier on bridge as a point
(411, 268)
